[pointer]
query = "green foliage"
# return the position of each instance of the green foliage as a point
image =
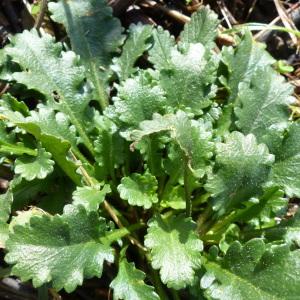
(253, 271)
(186, 170)
(129, 283)
(174, 246)
(64, 249)
(139, 190)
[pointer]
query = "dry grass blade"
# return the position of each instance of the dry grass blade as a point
(259, 35)
(286, 20)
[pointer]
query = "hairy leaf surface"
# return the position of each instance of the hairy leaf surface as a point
(175, 249)
(136, 44)
(63, 249)
(129, 283)
(253, 272)
(139, 190)
(242, 167)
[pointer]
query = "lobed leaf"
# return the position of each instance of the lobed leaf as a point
(136, 44)
(242, 168)
(63, 249)
(254, 271)
(139, 189)
(175, 249)
(34, 167)
(129, 283)
(90, 197)
(202, 28)
(5, 210)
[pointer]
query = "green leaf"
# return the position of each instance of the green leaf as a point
(109, 148)
(129, 284)
(175, 249)
(193, 137)
(202, 28)
(35, 167)
(242, 63)
(285, 170)
(189, 80)
(94, 33)
(53, 130)
(43, 66)
(242, 168)
(254, 271)
(139, 189)
(5, 208)
(63, 249)
(137, 100)
(264, 103)
(135, 45)
(160, 53)
(9, 144)
(174, 198)
(287, 231)
(90, 197)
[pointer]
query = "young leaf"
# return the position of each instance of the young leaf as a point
(253, 271)
(5, 208)
(139, 190)
(243, 166)
(201, 29)
(188, 82)
(90, 197)
(137, 100)
(192, 136)
(129, 284)
(43, 66)
(136, 44)
(285, 170)
(264, 103)
(242, 62)
(94, 33)
(160, 53)
(175, 249)
(34, 167)
(63, 249)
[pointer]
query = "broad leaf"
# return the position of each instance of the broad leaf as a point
(5, 208)
(188, 81)
(137, 100)
(242, 62)
(160, 53)
(242, 168)
(193, 137)
(264, 103)
(285, 172)
(136, 44)
(63, 249)
(201, 29)
(34, 167)
(90, 197)
(53, 130)
(94, 33)
(139, 189)
(43, 66)
(254, 271)
(175, 249)
(129, 284)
